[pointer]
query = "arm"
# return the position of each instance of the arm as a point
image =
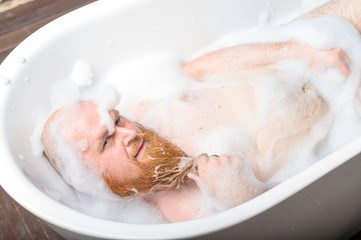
(263, 54)
(257, 55)
(239, 57)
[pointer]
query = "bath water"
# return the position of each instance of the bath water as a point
(148, 88)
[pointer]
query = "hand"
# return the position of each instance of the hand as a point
(320, 60)
(323, 59)
(227, 180)
(333, 58)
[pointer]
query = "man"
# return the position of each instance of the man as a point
(133, 160)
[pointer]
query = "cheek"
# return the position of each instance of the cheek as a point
(116, 163)
(102, 161)
(114, 157)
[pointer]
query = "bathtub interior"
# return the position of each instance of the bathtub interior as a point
(101, 33)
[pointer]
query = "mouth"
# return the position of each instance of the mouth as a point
(141, 150)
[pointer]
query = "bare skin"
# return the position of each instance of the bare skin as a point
(188, 201)
(111, 154)
(253, 56)
(348, 9)
(260, 55)
(212, 108)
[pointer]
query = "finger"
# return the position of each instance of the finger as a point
(214, 160)
(202, 161)
(225, 158)
(196, 178)
(342, 54)
(345, 70)
(236, 159)
(345, 57)
(193, 176)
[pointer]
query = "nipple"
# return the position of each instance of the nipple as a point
(188, 96)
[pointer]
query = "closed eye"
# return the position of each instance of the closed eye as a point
(106, 141)
(119, 122)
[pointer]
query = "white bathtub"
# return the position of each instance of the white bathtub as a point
(322, 202)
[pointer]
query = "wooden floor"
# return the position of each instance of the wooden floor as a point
(18, 23)
(15, 25)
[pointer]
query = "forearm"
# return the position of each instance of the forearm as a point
(244, 56)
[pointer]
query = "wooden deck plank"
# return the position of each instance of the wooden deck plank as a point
(15, 220)
(9, 39)
(31, 12)
(18, 223)
(6, 228)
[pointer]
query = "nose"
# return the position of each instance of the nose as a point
(126, 135)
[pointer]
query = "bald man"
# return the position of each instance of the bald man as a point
(172, 174)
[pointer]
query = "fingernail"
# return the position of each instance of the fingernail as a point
(203, 155)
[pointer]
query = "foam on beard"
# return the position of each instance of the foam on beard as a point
(321, 33)
(108, 98)
(165, 168)
(94, 196)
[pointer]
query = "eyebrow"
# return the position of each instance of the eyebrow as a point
(104, 134)
(116, 114)
(101, 138)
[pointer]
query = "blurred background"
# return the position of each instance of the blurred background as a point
(8, 4)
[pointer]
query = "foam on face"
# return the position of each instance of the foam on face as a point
(70, 162)
(83, 145)
(158, 81)
(107, 100)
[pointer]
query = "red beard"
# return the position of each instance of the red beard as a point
(166, 168)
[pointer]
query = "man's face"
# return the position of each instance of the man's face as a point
(109, 153)
(131, 159)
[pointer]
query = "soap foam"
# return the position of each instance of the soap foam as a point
(82, 73)
(159, 77)
(70, 162)
(64, 93)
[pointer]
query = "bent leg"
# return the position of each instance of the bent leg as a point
(349, 9)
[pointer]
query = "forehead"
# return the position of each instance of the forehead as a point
(85, 113)
(83, 120)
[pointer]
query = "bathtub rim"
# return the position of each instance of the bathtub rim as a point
(56, 213)
(34, 203)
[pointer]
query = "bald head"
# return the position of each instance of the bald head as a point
(63, 127)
